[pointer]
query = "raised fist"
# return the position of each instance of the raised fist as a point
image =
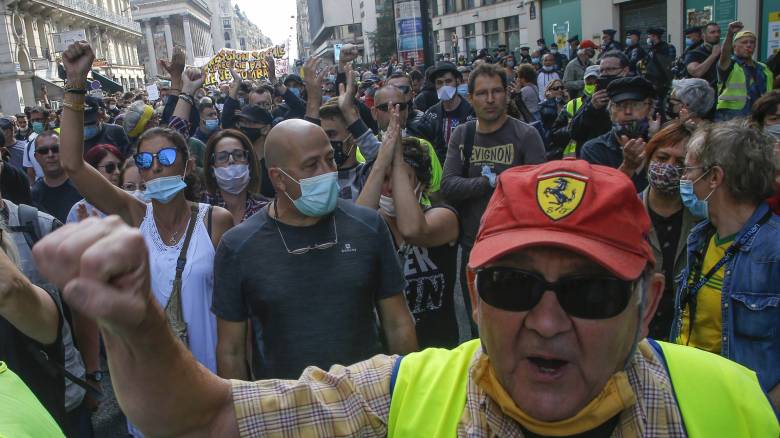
(77, 60)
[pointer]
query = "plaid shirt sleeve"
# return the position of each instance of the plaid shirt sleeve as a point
(344, 401)
(180, 125)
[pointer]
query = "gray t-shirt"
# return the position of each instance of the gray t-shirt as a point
(316, 308)
(513, 144)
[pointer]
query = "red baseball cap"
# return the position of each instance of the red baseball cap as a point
(588, 44)
(589, 209)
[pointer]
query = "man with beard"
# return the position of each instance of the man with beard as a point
(701, 62)
(629, 108)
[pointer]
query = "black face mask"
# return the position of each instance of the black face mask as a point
(671, 114)
(339, 155)
(252, 133)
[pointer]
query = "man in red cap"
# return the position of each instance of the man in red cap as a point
(574, 72)
(563, 293)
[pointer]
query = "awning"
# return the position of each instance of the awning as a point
(108, 85)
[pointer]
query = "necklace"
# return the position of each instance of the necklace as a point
(175, 234)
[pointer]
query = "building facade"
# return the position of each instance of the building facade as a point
(169, 24)
(247, 35)
(335, 22)
(29, 55)
(302, 29)
(232, 29)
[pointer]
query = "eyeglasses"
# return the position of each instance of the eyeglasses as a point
(304, 250)
(586, 297)
(385, 107)
(404, 88)
(556, 88)
(635, 105)
(239, 155)
(165, 156)
(45, 150)
(687, 169)
(131, 187)
(110, 167)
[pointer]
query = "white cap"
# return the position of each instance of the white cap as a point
(592, 70)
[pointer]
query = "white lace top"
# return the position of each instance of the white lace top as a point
(197, 282)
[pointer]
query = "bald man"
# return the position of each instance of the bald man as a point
(309, 270)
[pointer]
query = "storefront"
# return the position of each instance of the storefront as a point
(701, 12)
(642, 15)
(769, 42)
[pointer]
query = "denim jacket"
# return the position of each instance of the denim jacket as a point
(750, 297)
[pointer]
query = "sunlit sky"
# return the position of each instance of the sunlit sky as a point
(273, 18)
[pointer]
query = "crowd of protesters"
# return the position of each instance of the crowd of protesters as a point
(336, 216)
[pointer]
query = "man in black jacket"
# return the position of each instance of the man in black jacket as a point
(452, 110)
(658, 66)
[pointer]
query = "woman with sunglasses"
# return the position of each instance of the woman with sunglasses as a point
(555, 100)
(232, 175)
(425, 237)
(163, 162)
(106, 159)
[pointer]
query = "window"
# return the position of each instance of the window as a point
(512, 32)
(449, 6)
(470, 37)
(227, 45)
(491, 34)
(468, 4)
(243, 44)
(488, 2)
(226, 23)
(227, 36)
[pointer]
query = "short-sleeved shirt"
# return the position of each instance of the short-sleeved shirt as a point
(700, 55)
(57, 201)
(14, 184)
(316, 308)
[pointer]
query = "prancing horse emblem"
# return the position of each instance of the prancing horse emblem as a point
(559, 194)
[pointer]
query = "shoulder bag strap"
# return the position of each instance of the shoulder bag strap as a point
(468, 146)
(173, 310)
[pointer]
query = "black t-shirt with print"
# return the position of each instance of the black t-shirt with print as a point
(430, 282)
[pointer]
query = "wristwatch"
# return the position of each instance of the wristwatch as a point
(97, 376)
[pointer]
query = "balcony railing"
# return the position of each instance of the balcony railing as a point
(101, 13)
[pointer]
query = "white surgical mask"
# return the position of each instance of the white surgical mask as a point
(446, 92)
(233, 178)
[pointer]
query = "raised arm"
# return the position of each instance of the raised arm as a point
(77, 61)
(699, 69)
(436, 227)
(728, 46)
(103, 270)
(372, 190)
(191, 80)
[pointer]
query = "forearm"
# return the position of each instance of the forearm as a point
(31, 310)
(149, 367)
(314, 98)
(72, 123)
(231, 362)
(88, 340)
(369, 196)
(457, 189)
(410, 218)
(365, 139)
(726, 50)
(401, 335)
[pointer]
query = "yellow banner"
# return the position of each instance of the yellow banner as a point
(250, 64)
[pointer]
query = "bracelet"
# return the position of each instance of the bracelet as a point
(187, 99)
(81, 91)
(73, 106)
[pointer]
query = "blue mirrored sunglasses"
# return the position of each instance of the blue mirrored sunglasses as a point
(165, 156)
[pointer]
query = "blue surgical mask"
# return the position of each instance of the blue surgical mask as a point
(688, 42)
(210, 125)
(697, 207)
(629, 42)
(463, 90)
(535, 60)
(37, 127)
(318, 194)
(90, 132)
(165, 188)
(295, 91)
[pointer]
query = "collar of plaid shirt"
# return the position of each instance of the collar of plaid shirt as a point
(355, 401)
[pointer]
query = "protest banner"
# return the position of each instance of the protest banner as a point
(250, 64)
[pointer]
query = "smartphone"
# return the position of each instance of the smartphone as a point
(337, 52)
(603, 82)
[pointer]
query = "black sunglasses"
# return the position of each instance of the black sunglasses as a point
(556, 88)
(386, 106)
(45, 150)
(110, 167)
(586, 297)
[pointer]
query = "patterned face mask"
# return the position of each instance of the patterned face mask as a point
(665, 177)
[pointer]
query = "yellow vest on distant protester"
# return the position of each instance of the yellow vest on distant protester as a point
(717, 397)
(733, 93)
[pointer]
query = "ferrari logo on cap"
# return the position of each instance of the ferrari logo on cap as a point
(559, 194)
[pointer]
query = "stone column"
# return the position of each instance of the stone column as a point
(188, 39)
(461, 31)
(168, 37)
(150, 48)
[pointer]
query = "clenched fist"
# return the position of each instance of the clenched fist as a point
(77, 60)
